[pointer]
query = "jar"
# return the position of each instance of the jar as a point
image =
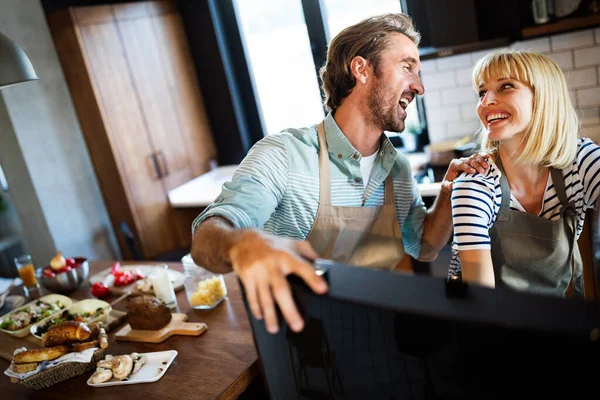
(205, 290)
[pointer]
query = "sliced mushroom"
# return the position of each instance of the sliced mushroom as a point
(102, 375)
(122, 367)
(139, 363)
(105, 364)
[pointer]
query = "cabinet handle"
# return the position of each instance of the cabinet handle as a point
(164, 163)
(158, 174)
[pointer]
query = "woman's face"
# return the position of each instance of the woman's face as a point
(505, 108)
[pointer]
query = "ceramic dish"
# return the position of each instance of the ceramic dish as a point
(176, 277)
(64, 302)
(155, 367)
(97, 311)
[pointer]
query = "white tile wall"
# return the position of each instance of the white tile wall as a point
(450, 101)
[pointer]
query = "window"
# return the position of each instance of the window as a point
(280, 60)
(285, 44)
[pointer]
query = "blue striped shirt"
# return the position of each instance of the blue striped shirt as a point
(276, 186)
(476, 199)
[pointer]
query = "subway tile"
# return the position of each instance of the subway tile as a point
(432, 99)
(454, 62)
(476, 55)
(592, 132)
(444, 114)
(563, 59)
(572, 40)
(468, 112)
(437, 132)
(462, 128)
(589, 116)
(579, 78)
(588, 56)
(573, 94)
(463, 76)
(459, 95)
(541, 45)
(588, 97)
(428, 66)
(438, 80)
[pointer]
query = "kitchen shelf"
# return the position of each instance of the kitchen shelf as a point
(564, 25)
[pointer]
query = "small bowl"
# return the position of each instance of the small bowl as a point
(68, 281)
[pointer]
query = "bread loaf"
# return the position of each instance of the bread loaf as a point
(24, 368)
(67, 332)
(147, 313)
(39, 355)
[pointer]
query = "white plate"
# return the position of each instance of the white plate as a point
(153, 370)
(67, 302)
(176, 277)
(80, 307)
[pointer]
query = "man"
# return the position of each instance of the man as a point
(354, 202)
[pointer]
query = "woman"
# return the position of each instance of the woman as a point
(517, 224)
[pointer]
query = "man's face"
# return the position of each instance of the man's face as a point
(394, 84)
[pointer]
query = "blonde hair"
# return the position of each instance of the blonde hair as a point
(367, 39)
(551, 137)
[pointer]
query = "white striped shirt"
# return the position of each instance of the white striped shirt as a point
(276, 186)
(476, 199)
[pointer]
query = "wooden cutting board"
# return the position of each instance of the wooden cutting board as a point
(177, 326)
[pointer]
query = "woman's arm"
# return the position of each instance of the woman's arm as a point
(477, 267)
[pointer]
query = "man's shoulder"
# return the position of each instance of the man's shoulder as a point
(299, 137)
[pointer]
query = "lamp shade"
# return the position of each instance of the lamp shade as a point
(15, 67)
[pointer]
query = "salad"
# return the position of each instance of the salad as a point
(30, 315)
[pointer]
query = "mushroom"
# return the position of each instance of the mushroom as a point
(122, 366)
(138, 361)
(102, 375)
(105, 364)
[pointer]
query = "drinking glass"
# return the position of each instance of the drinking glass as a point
(163, 287)
(27, 273)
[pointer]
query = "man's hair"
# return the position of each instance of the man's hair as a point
(551, 138)
(366, 39)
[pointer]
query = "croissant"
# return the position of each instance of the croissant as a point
(67, 332)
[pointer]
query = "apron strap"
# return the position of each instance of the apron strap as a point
(504, 187)
(324, 175)
(559, 185)
(388, 189)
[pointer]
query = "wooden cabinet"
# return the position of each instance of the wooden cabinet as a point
(134, 87)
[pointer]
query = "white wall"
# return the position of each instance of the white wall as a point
(450, 100)
(43, 153)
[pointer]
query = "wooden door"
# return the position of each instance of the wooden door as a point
(127, 125)
(189, 104)
(140, 41)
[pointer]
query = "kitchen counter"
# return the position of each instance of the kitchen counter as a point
(201, 191)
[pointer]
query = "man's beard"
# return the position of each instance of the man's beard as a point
(383, 109)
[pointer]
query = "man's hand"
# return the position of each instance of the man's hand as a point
(262, 262)
(477, 162)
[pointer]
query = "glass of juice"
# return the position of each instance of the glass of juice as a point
(27, 273)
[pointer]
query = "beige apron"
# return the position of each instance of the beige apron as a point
(360, 236)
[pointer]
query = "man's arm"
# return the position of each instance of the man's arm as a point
(437, 227)
(262, 262)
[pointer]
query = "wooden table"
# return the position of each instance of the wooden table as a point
(221, 363)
